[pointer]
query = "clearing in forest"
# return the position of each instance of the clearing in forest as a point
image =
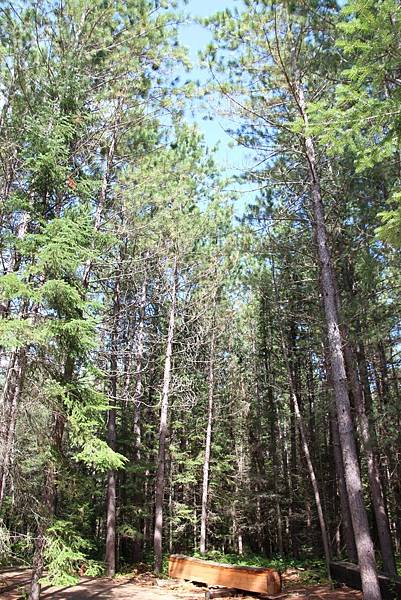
(147, 587)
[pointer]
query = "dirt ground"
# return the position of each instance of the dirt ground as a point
(147, 587)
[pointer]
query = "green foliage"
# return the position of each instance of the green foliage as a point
(97, 453)
(75, 336)
(62, 297)
(46, 151)
(129, 532)
(64, 244)
(65, 552)
(11, 286)
(364, 121)
(86, 409)
(390, 230)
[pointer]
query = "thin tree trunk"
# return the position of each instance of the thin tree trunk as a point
(15, 375)
(363, 539)
(161, 459)
(11, 397)
(305, 449)
(316, 493)
(138, 372)
(104, 187)
(137, 428)
(208, 443)
(111, 518)
(267, 351)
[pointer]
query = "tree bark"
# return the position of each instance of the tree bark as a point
(161, 459)
(347, 529)
(138, 372)
(364, 544)
(359, 383)
(11, 397)
(138, 400)
(208, 443)
(44, 520)
(376, 490)
(15, 375)
(111, 518)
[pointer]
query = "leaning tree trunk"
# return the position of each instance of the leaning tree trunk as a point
(161, 459)
(315, 486)
(346, 521)
(376, 490)
(208, 444)
(363, 539)
(347, 529)
(362, 400)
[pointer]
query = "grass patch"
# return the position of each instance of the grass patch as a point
(311, 570)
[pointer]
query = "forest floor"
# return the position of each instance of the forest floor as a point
(147, 587)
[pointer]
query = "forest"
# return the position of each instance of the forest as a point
(192, 360)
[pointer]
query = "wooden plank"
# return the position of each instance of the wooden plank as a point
(251, 579)
(348, 573)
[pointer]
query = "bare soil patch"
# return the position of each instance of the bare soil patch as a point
(147, 587)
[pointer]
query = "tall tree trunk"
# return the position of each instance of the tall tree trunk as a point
(359, 383)
(161, 459)
(376, 490)
(138, 399)
(208, 443)
(347, 529)
(267, 351)
(138, 372)
(363, 539)
(111, 517)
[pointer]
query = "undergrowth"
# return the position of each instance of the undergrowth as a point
(311, 570)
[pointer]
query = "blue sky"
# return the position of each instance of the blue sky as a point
(232, 160)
